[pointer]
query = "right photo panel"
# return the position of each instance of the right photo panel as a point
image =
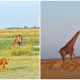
(60, 39)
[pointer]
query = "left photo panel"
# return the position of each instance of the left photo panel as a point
(19, 39)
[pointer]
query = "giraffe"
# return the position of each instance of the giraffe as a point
(68, 49)
(17, 41)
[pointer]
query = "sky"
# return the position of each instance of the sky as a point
(19, 14)
(59, 22)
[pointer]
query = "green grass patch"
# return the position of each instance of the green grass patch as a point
(24, 60)
(22, 68)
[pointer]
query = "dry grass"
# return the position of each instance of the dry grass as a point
(25, 32)
(20, 65)
(56, 69)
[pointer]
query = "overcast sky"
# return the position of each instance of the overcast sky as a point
(19, 13)
(59, 22)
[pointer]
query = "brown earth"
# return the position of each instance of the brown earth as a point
(56, 69)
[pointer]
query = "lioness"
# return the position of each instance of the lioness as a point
(3, 63)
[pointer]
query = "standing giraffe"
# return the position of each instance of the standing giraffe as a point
(17, 41)
(68, 49)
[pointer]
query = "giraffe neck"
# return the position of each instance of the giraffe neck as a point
(73, 40)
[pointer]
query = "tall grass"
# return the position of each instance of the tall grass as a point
(24, 60)
(23, 51)
(28, 50)
(30, 39)
(23, 32)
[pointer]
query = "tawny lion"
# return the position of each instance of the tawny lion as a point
(3, 63)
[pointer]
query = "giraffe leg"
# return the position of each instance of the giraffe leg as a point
(74, 55)
(63, 58)
(63, 54)
(71, 56)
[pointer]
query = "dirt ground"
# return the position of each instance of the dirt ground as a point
(54, 69)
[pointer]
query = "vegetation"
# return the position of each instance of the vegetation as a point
(24, 32)
(25, 27)
(25, 58)
(21, 67)
(28, 50)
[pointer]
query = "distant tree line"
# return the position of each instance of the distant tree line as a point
(25, 27)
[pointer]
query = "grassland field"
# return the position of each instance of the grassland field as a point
(20, 66)
(50, 70)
